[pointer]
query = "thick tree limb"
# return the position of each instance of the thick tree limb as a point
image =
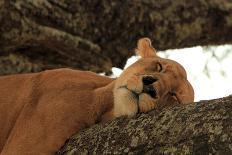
(96, 35)
(199, 128)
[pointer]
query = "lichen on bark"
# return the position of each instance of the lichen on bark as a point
(16, 63)
(96, 35)
(198, 128)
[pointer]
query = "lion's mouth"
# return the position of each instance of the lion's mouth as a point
(148, 89)
(135, 95)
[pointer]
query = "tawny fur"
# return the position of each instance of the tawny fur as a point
(39, 111)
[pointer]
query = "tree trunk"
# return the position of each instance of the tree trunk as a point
(96, 35)
(199, 128)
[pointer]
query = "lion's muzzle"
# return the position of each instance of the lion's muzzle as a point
(148, 87)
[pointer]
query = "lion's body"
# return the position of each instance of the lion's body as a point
(41, 110)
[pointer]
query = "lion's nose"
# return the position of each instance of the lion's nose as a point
(149, 89)
(147, 80)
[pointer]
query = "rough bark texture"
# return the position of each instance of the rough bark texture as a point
(96, 35)
(199, 128)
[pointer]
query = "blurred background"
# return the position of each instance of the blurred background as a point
(100, 36)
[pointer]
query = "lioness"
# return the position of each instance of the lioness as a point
(39, 111)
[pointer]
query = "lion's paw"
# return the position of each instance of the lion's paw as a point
(146, 103)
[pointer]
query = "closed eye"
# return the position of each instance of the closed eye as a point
(159, 67)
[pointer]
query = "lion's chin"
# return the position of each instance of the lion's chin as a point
(125, 102)
(133, 95)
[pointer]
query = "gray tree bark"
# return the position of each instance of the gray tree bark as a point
(199, 128)
(96, 35)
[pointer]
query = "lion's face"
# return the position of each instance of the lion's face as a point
(163, 80)
(153, 82)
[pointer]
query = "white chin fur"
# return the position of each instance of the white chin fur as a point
(125, 103)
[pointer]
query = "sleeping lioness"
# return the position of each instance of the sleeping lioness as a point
(39, 111)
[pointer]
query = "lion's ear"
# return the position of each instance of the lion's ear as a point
(145, 49)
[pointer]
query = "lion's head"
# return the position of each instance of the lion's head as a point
(151, 82)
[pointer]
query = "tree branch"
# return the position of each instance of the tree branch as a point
(96, 35)
(199, 128)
